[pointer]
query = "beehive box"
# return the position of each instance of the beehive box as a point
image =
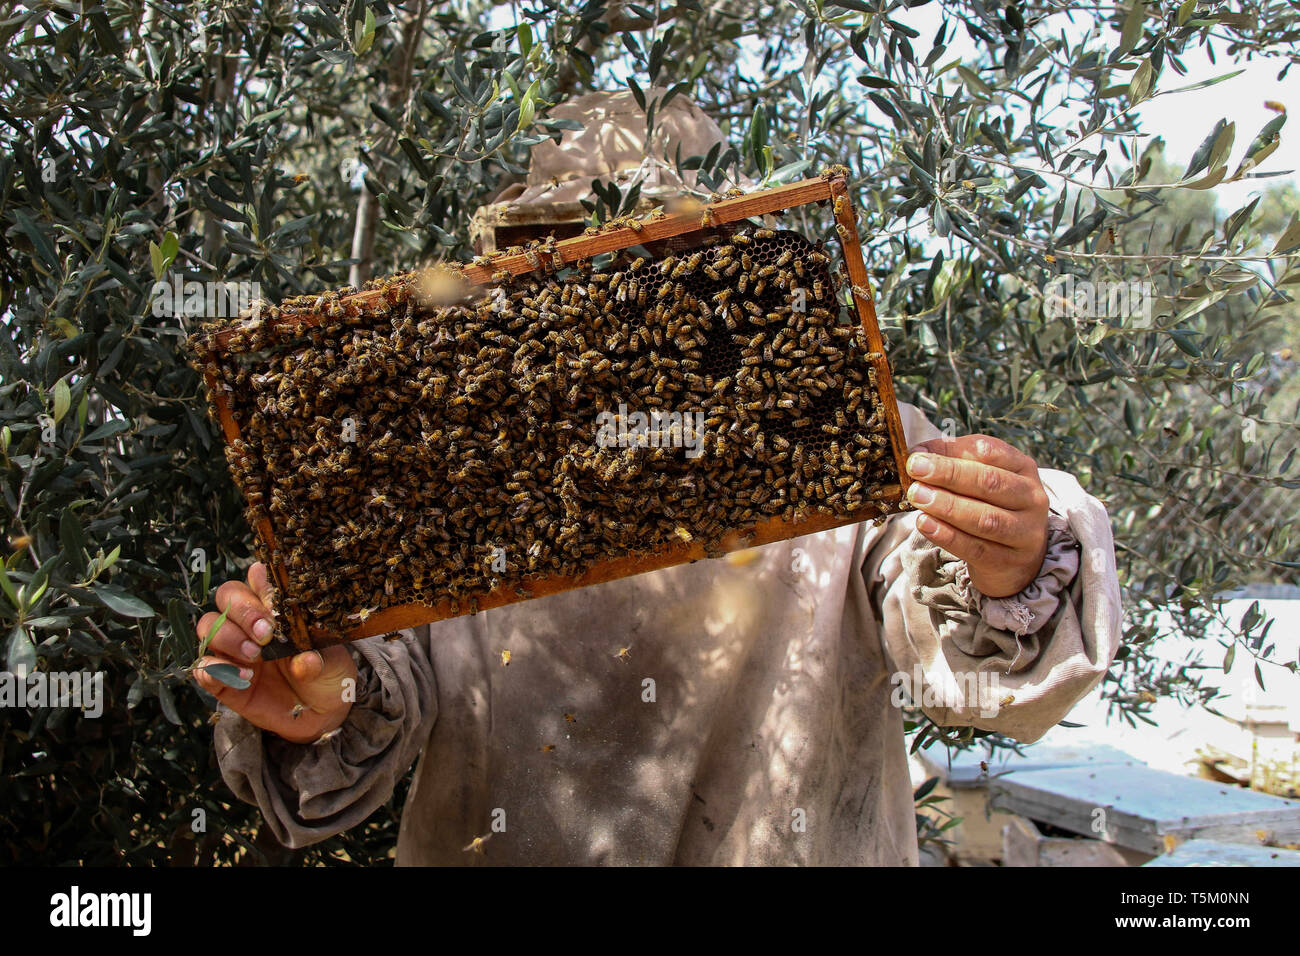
(406, 458)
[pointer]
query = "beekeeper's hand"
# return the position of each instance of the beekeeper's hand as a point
(983, 501)
(300, 697)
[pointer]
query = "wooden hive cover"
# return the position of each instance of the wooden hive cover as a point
(1143, 806)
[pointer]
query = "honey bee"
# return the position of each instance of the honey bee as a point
(476, 844)
(505, 658)
(623, 654)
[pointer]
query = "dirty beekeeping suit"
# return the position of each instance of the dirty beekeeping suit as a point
(743, 710)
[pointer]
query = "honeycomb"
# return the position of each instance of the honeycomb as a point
(406, 453)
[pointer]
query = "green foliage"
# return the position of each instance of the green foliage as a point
(300, 146)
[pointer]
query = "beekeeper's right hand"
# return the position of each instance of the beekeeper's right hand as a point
(300, 697)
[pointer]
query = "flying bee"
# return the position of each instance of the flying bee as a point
(476, 844)
(623, 654)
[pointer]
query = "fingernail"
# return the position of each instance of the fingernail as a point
(921, 494)
(926, 524)
(250, 649)
(920, 465)
(262, 630)
(246, 673)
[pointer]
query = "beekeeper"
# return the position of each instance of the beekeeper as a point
(741, 710)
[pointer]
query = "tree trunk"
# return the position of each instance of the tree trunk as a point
(397, 91)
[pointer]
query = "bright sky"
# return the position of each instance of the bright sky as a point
(1184, 119)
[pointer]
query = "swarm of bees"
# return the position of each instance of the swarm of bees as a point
(408, 453)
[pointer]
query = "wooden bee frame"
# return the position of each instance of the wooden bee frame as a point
(830, 188)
